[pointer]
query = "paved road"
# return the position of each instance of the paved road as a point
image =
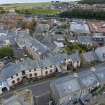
(41, 92)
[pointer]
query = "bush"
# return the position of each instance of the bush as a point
(6, 51)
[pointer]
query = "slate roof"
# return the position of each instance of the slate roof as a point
(87, 79)
(25, 40)
(12, 69)
(85, 39)
(100, 52)
(89, 56)
(28, 64)
(72, 84)
(80, 27)
(65, 86)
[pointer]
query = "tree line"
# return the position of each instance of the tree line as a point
(83, 14)
(92, 1)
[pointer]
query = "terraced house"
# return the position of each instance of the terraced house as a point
(31, 69)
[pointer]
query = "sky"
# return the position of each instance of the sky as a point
(27, 1)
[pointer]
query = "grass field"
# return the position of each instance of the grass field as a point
(27, 5)
(39, 11)
(33, 8)
(45, 11)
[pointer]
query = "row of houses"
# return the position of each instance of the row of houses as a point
(28, 69)
(78, 87)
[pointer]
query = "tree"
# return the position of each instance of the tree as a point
(92, 1)
(6, 52)
(84, 14)
(32, 26)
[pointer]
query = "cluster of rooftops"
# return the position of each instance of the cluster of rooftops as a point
(28, 64)
(73, 83)
(24, 40)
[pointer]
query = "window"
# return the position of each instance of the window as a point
(35, 74)
(46, 72)
(13, 82)
(50, 71)
(56, 69)
(23, 72)
(30, 75)
(29, 70)
(45, 67)
(34, 69)
(12, 77)
(64, 59)
(16, 74)
(18, 79)
(77, 61)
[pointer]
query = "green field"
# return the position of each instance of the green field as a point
(32, 8)
(38, 11)
(26, 5)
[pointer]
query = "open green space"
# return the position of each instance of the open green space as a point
(32, 8)
(38, 11)
(26, 5)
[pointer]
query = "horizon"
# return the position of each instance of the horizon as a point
(31, 1)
